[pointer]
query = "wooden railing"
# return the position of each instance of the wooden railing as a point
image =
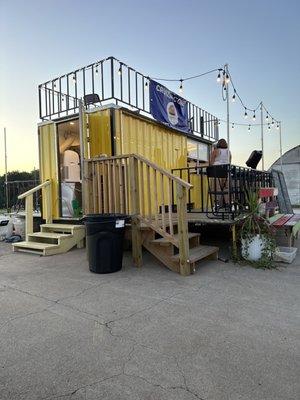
(131, 184)
(47, 211)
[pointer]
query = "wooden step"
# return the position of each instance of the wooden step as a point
(51, 235)
(48, 237)
(36, 248)
(63, 228)
(198, 253)
(164, 241)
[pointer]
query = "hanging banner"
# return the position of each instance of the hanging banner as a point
(168, 107)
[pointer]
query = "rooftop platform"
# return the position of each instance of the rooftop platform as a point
(227, 332)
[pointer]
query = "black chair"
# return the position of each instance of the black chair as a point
(220, 192)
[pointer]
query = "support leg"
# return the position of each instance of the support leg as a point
(136, 242)
(234, 244)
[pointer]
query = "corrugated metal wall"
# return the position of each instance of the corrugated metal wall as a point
(100, 133)
(160, 145)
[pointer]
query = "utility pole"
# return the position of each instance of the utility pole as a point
(262, 136)
(280, 145)
(5, 160)
(227, 104)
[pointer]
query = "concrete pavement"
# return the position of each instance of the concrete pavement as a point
(227, 332)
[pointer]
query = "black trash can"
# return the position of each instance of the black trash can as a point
(104, 242)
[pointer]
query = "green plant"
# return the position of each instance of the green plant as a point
(252, 225)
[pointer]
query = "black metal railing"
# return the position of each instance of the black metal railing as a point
(114, 82)
(240, 179)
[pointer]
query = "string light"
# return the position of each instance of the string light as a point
(219, 76)
(232, 126)
(227, 79)
(245, 115)
(181, 86)
(267, 116)
(120, 70)
(254, 117)
(233, 97)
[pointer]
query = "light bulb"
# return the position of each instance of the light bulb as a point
(269, 127)
(120, 70)
(219, 77)
(245, 115)
(272, 121)
(254, 117)
(233, 97)
(277, 127)
(267, 116)
(96, 71)
(232, 126)
(74, 78)
(227, 79)
(62, 98)
(146, 85)
(249, 128)
(181, 86)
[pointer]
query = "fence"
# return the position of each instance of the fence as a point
(239, 180)
(15, 188)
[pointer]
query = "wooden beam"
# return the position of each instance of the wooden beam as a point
(184, 266)
(29, 215)
(135, 205)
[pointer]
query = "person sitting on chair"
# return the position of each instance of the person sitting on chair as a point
(220, 154)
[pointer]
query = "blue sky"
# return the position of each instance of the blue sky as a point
(259, 39)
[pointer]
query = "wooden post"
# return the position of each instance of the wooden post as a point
(135, 209)
(29, 215)
(234, 244)
(184, 266)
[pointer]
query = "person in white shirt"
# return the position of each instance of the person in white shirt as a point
(220, 154)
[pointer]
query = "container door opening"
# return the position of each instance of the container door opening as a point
(69, 169)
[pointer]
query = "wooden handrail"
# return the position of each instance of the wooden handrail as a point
(149, 163)
(28, 196)
(134, 185)
(33, 190)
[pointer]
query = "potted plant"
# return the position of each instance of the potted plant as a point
(256, 235)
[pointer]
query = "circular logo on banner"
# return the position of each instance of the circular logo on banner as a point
(172, 113)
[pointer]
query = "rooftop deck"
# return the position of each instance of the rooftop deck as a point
(111, 81)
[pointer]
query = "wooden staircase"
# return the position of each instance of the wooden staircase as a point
(168, 253)
(53, 239)
(131, 184)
